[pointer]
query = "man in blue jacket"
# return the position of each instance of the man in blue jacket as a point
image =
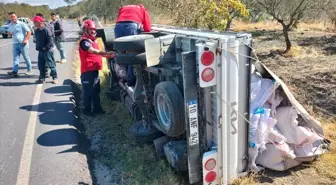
(44, 45)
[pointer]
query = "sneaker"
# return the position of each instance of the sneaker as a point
(55, 81)
(29, 72)
(13, 73)
(40, 81)
(63, 61)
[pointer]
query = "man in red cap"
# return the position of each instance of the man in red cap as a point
(132, 20)
(91, 62)
(44, 45)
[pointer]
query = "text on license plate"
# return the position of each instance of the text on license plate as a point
(193, 122)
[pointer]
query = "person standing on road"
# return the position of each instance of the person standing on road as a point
(51, 28)
(91, 63)
(20, 35)
(132, 20)
(59, 36)
(44, 46)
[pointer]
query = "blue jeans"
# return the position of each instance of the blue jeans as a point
(125, 29)
(19, 49)
(46, 58)
(60, 48)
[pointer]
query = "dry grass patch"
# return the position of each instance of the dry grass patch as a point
(238, 25)
(326, 166)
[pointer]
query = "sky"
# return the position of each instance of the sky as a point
(51, 3)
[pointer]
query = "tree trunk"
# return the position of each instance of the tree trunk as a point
(228, 25)
(105, 19)
(288, 42)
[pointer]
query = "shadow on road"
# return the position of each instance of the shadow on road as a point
(54, 113)
(20, 68)
(12, 84)
(62, 112)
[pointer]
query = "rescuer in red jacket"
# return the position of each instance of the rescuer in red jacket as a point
(91, 63)
(132, 20)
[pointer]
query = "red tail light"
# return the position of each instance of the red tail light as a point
(210, 177)
(208, 74)
(207, 58)
(210, 164)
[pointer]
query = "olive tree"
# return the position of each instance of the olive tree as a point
(210, 14)
(69, 2)
(288, 13)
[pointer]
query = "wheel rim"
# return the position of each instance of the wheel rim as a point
(163, 111)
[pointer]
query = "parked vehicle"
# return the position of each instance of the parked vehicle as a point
(4, 28)
(192, 96)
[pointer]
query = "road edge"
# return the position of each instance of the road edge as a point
(85, 144)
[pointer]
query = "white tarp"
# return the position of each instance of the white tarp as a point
(276, 139)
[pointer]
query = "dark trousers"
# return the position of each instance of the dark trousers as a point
(91, 89)
(125, 29)
(46, 58)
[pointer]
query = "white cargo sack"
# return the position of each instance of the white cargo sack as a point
(288, 127)
(261, 91)
(277, 157)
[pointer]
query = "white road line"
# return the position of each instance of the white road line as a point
(70, 34)
(6, 44)
(27, 151)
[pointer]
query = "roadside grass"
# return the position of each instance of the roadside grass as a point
(130, 163)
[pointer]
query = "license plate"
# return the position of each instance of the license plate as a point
(193, 122)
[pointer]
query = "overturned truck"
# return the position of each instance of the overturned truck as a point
(192, 98)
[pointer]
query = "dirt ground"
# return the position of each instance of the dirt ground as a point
(310, 72)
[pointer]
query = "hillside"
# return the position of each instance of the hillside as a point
(22, 9)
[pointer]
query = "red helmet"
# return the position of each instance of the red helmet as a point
(89, 25)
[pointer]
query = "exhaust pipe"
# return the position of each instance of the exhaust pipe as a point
(129, 90)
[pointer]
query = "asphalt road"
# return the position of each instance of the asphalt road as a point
(39, 142)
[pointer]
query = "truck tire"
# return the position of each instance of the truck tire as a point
(131, 43)
(168, 103)
(143, 134)
(5, 36)
(131, 59)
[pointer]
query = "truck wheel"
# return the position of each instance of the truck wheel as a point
(131, 59)
(143, 134)
(131, 43)
(168, 102)
(5, 36)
